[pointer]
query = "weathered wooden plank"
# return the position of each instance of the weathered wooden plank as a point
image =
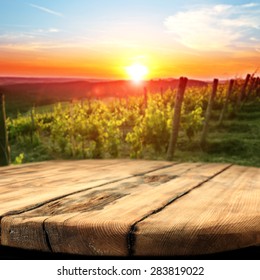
(28, 186)
(65, 168)
(100, 221)
(223, 214)
(26, 232)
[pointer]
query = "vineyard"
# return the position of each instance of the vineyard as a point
(218, 122)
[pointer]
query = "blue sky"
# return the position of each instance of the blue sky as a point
(135, 30)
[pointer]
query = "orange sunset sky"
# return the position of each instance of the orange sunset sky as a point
(100, 39)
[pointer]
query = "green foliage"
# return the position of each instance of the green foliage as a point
(152, 129)
(192, 122)
(94, 129)
(123, 127)
(19, 159)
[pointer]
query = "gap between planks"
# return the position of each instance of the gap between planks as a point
(111, 182)
(222, 215)
(99, 185)
(40, 204)
(131, 236)
(7, 170)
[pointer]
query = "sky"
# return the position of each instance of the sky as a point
(101, 38)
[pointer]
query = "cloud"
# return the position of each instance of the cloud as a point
(43, 40)
(31, 40)
(216, 27)
(250, 5)
(46, 31)
(46, 10)
(53, 30)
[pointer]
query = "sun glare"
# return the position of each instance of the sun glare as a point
(137, 72)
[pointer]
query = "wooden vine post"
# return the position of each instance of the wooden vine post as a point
(208, 114)
(242, 93)
(229, 92)
(4, 147)
(176, 117)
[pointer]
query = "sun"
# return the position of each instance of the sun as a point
(137, 72)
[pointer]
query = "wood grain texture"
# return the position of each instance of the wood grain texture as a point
(223, 214)
(100, 221)
(28, 186)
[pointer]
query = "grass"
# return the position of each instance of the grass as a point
(237, 141)
(30, 152)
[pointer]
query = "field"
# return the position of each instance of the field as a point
(134, 126)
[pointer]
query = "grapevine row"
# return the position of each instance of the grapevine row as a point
(134, 126)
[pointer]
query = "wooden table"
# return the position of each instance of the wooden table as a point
(129, 207)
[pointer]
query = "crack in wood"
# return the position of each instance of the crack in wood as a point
(131, 237)
(38, 205)
(94, 201)
(158, 179)
(101, 201)
(46, 235)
